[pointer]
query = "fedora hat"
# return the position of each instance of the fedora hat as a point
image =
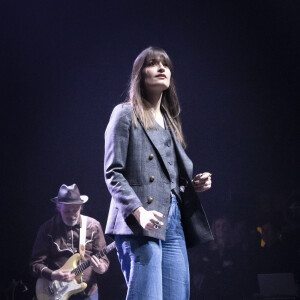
(69, 195)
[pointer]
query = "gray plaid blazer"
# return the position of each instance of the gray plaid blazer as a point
(136, 175)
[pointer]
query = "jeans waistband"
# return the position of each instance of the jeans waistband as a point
(173, 196)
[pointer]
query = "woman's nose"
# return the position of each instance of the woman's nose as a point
(161, 67)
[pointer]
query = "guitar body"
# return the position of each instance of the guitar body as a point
(58, 290)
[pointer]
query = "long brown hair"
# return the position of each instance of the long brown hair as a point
(137, 95)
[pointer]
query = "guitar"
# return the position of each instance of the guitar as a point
(59, 290)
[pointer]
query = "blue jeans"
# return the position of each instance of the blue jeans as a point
(155, 269)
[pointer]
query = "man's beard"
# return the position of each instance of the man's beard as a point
(71, 222)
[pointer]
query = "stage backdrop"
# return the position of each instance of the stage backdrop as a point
(66, 64)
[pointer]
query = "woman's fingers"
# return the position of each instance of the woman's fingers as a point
(203, 188)
(202, 182)
(149, 221)
(154, 222)
(157, 214)
(202, 177)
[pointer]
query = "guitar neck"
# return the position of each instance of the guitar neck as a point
(87, 263)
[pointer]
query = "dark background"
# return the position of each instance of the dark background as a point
(65, 64)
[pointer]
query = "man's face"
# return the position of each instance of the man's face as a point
(69, 213)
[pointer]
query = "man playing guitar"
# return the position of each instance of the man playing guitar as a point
(58, 241)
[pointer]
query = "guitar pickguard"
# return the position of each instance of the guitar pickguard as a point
(59, 290)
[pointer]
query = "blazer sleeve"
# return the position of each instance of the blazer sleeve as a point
(117, 137)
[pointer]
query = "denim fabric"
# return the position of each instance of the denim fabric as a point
(94, 296)
(155, 269)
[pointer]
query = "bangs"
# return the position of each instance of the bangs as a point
(158, 55)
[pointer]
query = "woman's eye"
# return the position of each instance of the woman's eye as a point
(155, 62)
(165, 64)
(151, 63)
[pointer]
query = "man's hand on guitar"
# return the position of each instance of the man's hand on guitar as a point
(62, 275)
(98, 265)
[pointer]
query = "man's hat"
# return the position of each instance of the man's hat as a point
(69, 195)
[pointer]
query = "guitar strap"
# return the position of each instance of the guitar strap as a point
(82, 236)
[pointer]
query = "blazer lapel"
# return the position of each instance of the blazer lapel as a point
(184, 162)
(156, 141)
(186, 166)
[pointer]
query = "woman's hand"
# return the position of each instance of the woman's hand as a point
(202, 182)
(98, 265)
(147, 219)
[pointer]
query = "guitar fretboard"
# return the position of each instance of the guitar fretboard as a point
(100, 254)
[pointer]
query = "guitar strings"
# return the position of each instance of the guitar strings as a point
(86, 264)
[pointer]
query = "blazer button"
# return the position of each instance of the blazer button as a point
(151, 178)
(149, 200)
(151, 156)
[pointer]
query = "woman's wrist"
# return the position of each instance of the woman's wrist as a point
(137, 212)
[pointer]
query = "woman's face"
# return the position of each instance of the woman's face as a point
(156, 75)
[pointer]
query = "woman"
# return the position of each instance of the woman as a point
(149, 177)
